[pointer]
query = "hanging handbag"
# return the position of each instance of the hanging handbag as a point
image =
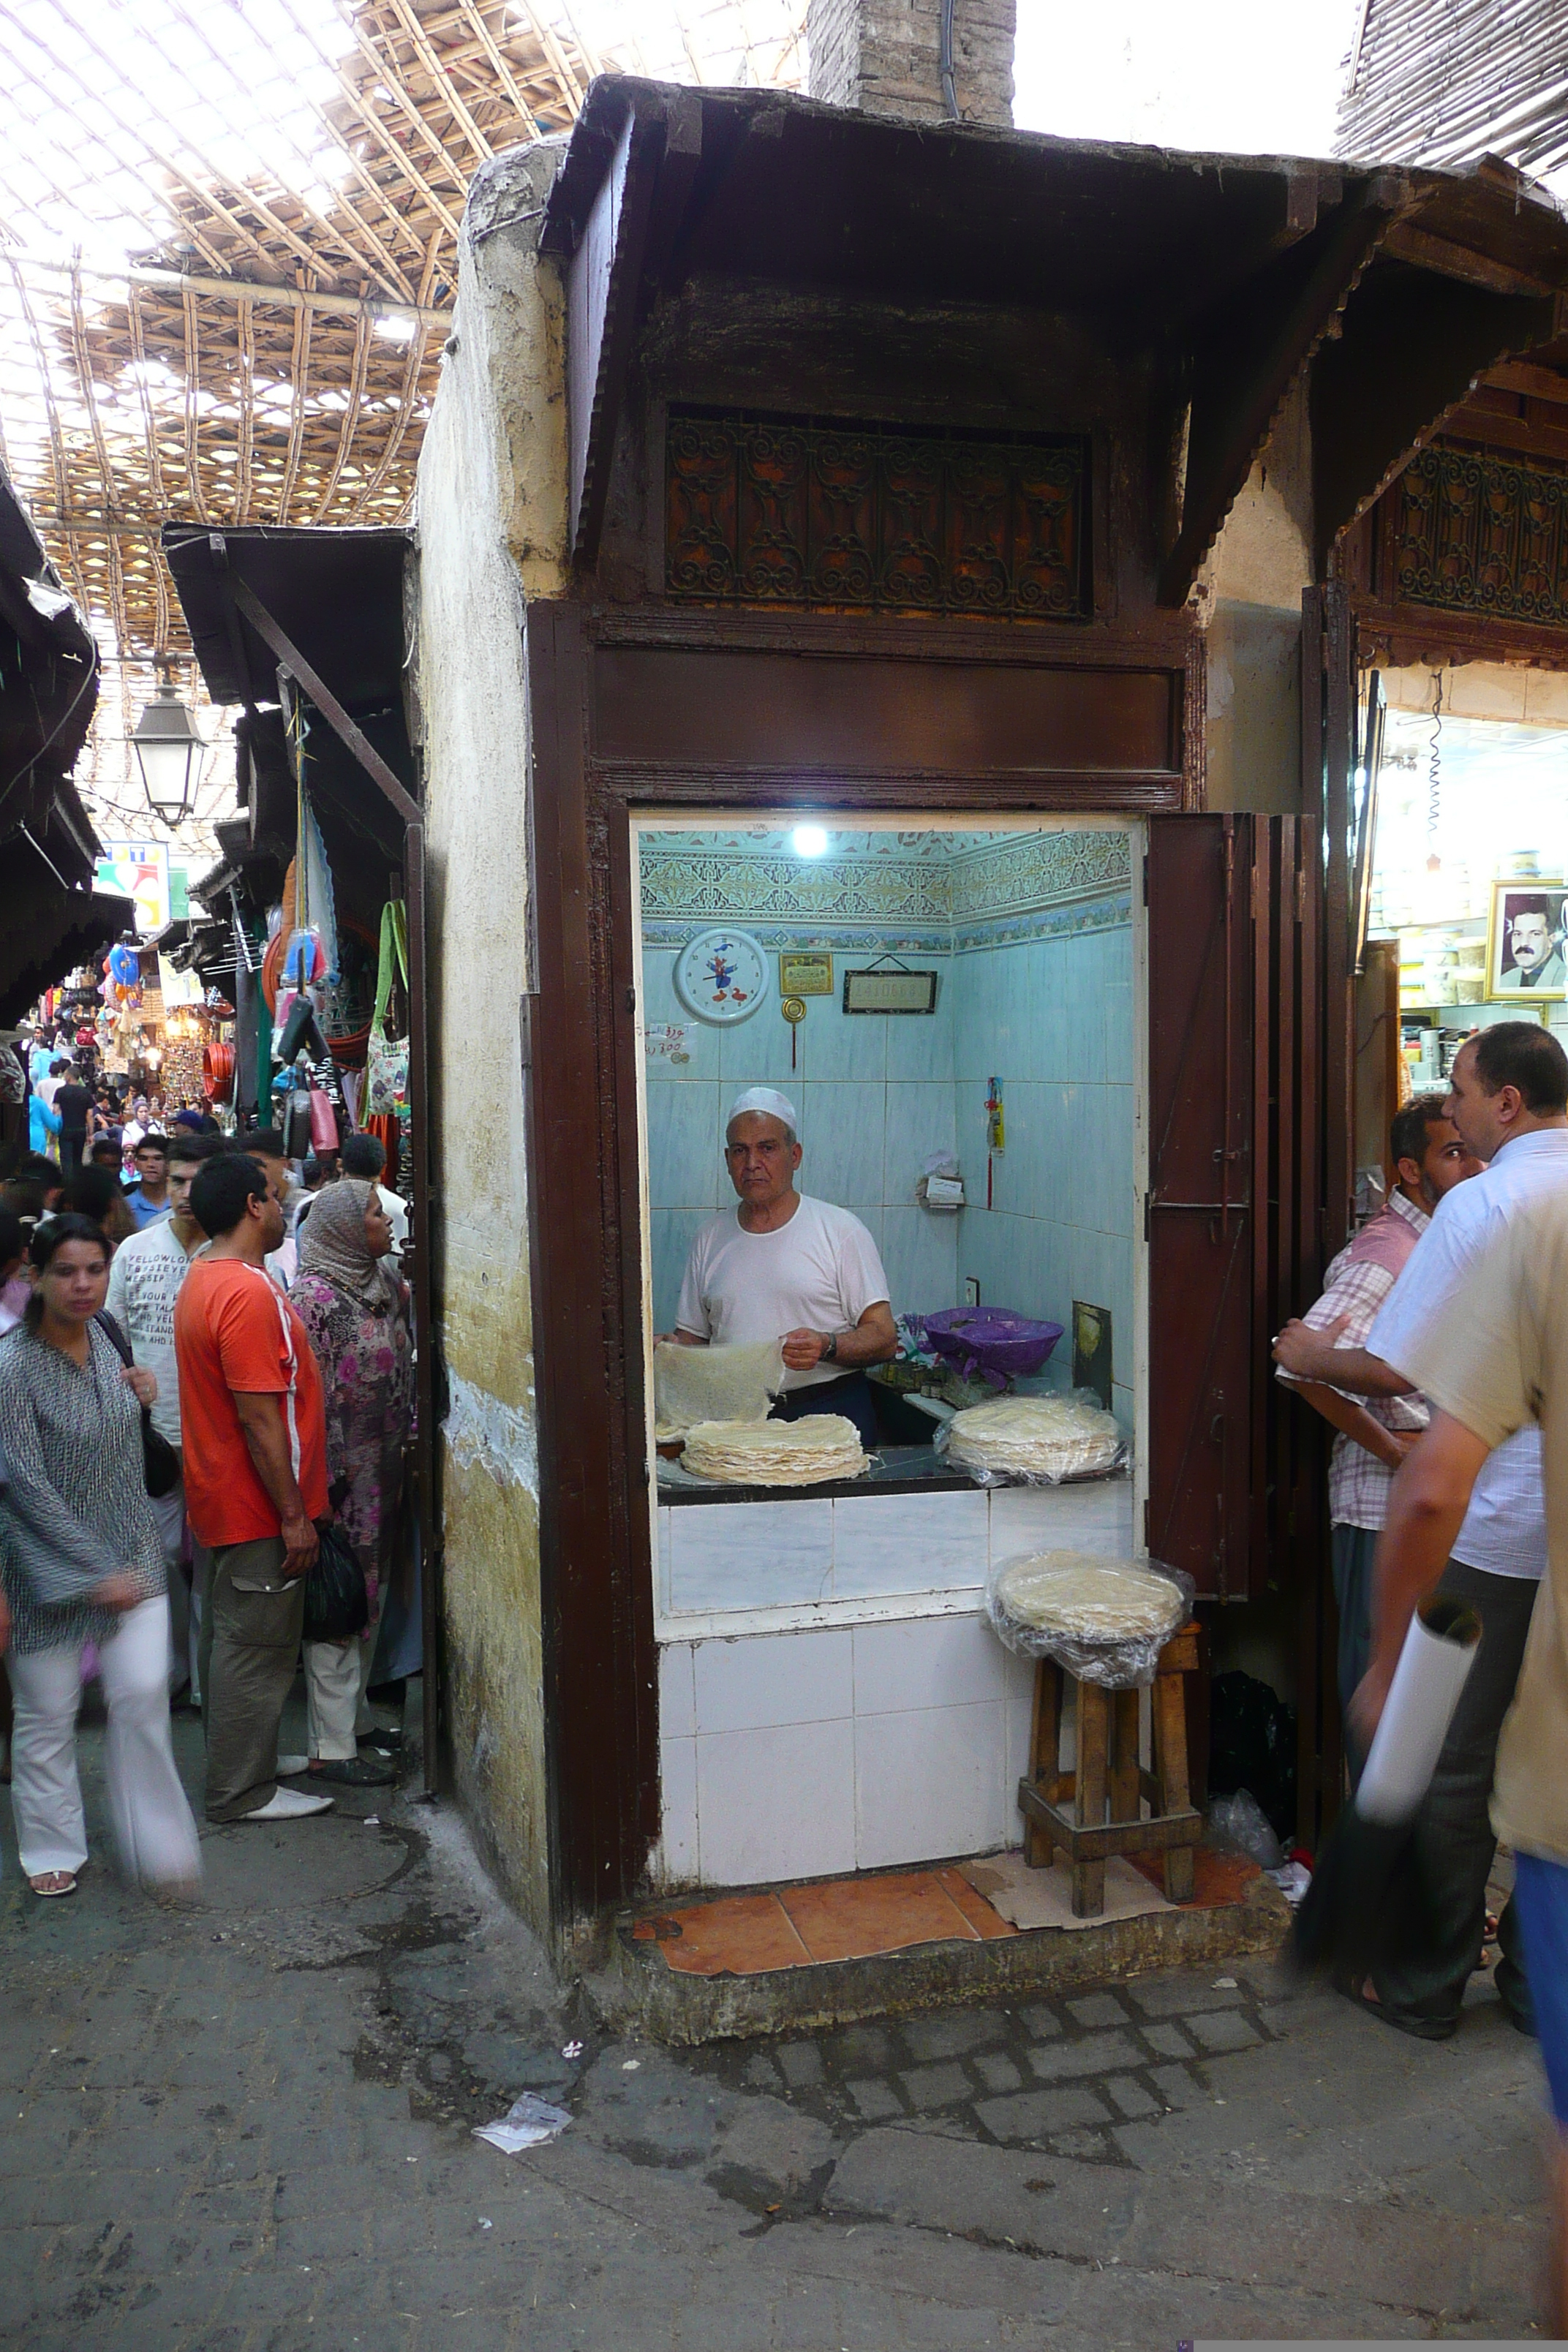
(160, 1463)
(324, 1134)
(337, 1605)
(386, 1061)
(297, 1124)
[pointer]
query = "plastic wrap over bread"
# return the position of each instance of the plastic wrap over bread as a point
(693, 1384)
(1034, 1441)
(1106, 1620)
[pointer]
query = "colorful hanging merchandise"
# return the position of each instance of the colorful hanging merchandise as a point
(386, 1068)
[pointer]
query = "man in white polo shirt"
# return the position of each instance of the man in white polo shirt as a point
(1508, 1098)
(782, 1265)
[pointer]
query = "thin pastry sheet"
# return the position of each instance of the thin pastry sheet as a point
(775, 1453)
(696, 1384)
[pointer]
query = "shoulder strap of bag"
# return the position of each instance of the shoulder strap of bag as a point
(114, 1334)
(394, 950)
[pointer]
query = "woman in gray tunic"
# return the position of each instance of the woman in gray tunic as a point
(81, 1563)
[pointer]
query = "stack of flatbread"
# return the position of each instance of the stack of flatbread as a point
(1088, 1598)
(1033, 1438)
(775, 1453)
(694, 1384)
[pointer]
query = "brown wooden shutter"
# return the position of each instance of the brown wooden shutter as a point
(1199, 1222)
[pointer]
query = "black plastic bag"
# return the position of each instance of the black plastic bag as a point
(336, 1603)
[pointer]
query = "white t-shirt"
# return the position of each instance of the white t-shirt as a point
(1505, 1526)
(818, 1273)
(144, 1284)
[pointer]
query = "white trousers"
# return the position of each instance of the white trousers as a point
(154, 1827)
(336, 1673)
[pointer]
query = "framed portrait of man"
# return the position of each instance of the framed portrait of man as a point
(1525, 951)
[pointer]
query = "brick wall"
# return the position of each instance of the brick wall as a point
(884, 56)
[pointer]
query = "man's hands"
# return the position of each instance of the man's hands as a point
(1307, 1354)
(301, 1545)
(804, 1349)
(143, 1384)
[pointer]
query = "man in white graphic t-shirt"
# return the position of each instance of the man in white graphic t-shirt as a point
(785, 1266)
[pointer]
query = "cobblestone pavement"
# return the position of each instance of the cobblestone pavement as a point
(247, 2128)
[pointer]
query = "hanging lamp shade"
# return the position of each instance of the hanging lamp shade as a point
(169, 754)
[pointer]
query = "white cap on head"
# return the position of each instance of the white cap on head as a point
(769, 1102)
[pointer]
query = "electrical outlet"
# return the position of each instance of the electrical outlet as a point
(971, 1291)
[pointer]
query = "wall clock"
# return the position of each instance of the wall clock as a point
(721, 976)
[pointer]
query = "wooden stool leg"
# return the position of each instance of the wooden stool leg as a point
(1170, 1763)
(1045, 1756)
(1088, 1807)
(1124, 1756)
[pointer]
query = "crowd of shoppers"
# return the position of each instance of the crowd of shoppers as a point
(174, 1430)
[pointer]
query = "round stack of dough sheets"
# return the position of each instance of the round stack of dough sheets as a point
(1043, 1438)
(775, 1453)
(1084, 1597)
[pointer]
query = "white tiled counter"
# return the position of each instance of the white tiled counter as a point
(831, 1695)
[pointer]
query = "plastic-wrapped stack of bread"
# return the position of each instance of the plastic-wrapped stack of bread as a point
(1105, 1620)
(1034, 1440)
(775, 1453)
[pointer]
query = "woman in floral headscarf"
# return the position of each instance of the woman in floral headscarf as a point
(356, 1308)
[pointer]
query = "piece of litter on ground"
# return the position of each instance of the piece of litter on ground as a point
(1225, 1984)
(372, 1820)
(1292, 1881)
(573, 2050)
(630, 2065)
(484, 2224)
(528, 2122)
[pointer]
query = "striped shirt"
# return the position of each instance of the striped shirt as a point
(1355, 1286)
(74, 1506)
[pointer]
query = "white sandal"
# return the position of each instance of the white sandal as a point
(52, 1884)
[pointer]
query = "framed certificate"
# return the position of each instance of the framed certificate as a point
(805, 974)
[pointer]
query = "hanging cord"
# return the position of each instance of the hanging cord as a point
(1435, 782)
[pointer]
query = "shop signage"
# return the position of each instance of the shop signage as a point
(138, 870)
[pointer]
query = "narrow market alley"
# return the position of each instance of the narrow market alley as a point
(247, 2127)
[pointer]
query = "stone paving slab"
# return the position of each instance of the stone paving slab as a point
(248, 2129)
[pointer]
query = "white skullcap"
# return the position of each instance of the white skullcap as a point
(769, 1102)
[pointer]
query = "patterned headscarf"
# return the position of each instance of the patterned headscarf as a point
(332, 1244)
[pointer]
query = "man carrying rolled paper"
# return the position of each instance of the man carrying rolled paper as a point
(784, 1266)
(1500, 1365)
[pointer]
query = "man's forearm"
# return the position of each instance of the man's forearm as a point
(1427, 1506)
(865, 1345)
(1305, 1357)
(1354, 1421)
(267, 1442)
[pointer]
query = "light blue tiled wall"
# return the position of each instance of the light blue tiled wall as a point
(1053, 1019)
(874, 1098)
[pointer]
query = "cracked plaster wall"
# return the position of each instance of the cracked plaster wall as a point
(491, 522)
(1249, 595)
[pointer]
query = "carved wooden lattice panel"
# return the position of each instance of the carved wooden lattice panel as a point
(770, 511)
(1477, 534)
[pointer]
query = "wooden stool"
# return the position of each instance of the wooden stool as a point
(1108, 1784)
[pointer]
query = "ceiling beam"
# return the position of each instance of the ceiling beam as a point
(602, 281)
(242, 289)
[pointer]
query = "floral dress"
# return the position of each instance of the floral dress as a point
(366, 1362)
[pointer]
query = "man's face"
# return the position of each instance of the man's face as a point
(1447, 1160)
(1473, 1111)
(762, 1158)
(150, 1163)
(273, 1224)
(1531, 942)
(181, 1176)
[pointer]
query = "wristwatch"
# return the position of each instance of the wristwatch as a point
(830, 1349)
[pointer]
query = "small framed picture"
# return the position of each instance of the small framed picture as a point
(805, 972)
(1525, 953)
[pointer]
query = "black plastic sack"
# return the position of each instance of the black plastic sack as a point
(336, 1603)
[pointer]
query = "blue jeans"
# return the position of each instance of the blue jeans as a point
(1541, 1897)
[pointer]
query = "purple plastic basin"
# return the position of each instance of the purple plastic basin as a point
(992, 1340)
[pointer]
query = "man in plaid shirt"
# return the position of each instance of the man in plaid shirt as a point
(1372, 1434)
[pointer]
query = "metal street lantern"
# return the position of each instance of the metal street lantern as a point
(169, 754)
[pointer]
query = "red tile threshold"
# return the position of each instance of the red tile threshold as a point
(858, 1918)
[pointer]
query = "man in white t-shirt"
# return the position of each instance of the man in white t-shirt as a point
(143, 1283)
(785, 1266)
(1508, 1098)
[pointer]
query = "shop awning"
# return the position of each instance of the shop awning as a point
(1220, 276)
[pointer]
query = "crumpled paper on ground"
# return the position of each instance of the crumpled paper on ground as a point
(528, 2122)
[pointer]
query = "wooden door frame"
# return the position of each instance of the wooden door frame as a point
(600, 1659)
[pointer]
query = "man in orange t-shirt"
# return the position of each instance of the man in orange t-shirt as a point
(254, 1440)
